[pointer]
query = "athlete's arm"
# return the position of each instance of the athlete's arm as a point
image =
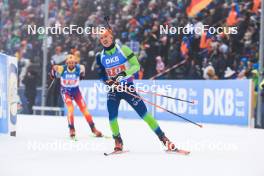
(100, 69)
(58, 69)
(132, 59)
(82, 69)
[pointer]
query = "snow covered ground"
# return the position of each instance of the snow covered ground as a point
(42, 148)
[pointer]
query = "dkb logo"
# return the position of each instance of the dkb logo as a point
(112, 60)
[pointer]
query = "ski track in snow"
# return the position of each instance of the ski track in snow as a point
(42, 147)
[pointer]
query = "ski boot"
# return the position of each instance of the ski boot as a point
(118, 143)
(167, 143)
(72, 132)
(96, 132)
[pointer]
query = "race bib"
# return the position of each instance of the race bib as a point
(69, 82)
(111, 72)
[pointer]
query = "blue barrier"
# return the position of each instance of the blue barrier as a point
(3, 94)
(221, 102)
(8, 94)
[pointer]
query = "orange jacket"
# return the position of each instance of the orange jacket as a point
(204, 42)
(184, 49)
(232, 18)
(256, 6)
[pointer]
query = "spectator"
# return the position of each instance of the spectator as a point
(209, 73)
(30, 82)
(136, 23)
(160, 66)
(229, 73)
(59, 56)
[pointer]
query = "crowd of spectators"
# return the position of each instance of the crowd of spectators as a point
(136, 23)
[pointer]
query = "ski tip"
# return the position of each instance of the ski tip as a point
(107, 137)
(103, 136)
(73, 139)
(116, 152)
(186, 153)
(178, 151)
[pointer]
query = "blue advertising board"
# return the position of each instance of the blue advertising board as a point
(8, 94)
(221, 101)
(3, 94)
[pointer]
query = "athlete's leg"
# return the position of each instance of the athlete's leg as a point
(113, 101)
(70, 116)
(82, 105)
(140, 107)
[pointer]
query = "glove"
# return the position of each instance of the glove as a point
(82, 76)
(111, 83)
(52, 74)
(120, 76)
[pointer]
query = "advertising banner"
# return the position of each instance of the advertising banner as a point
(8, 94)
(3, 94)
(221, 101)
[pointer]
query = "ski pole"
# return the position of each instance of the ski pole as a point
(157, 106)
(51, 84)
(106, 18)
(174, 98)
(168, 70)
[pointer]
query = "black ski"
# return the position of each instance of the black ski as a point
(116, 152)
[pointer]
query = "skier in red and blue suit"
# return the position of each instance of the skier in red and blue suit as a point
(70, 78)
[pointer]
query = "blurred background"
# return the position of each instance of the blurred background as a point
(136, 24)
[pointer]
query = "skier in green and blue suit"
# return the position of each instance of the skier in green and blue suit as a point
(118, 64)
